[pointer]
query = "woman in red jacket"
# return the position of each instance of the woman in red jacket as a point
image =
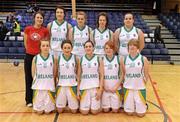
(32, 37)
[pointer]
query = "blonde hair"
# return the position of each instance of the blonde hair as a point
(81, 13)
(133, 42)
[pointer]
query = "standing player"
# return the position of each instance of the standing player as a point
(79, 34)
(101, 34)
(111, 95)
(135, 74)
(44, 73)
(127, 32)
(91, 84)
(68, 67)
(32, 37)
(58, 31)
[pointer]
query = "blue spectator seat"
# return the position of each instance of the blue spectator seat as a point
(12, 53)
(159, 45)
(1, 43)
(16, 44)
(164, 51)
(155, 52)
(151, 46)
(7, 43)
(147, 53)
(21, 50)
(4, 52)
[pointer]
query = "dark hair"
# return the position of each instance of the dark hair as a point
(105, 15)
(66, 42)
(88, 42)
(129, 13)
(38, 12)
(60, 7)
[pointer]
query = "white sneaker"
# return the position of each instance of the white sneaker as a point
(29, 105)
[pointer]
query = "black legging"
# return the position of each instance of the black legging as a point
(28, 77)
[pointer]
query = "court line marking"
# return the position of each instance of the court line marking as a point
(11, 92)
(159, 102)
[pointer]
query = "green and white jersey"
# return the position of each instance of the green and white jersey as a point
(134, 68)
(80, 36)
(100, 38)
(111, 71)
(44, 78)
(124, 37)
(67, 68)
(58, 34)
(89, 74)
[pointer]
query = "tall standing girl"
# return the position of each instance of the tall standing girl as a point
(32, 37)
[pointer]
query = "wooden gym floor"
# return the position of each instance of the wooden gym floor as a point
(163, 98)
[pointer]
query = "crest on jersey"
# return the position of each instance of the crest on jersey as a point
(106, 36)
(115, 65)
(35, 36)
(138, 63)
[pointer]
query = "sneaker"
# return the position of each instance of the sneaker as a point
(29, 105)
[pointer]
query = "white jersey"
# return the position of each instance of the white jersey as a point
(58, 34)
(100, 38)
(124, 37)
(67, 67)
(89, 74)
(44, 78)
(80, 36)
(111, 71)
(134, 67)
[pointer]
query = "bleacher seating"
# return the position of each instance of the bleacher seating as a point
(155, 52)
(12, 48)
(172, 22)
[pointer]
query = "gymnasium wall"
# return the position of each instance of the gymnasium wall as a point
(169, 4)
